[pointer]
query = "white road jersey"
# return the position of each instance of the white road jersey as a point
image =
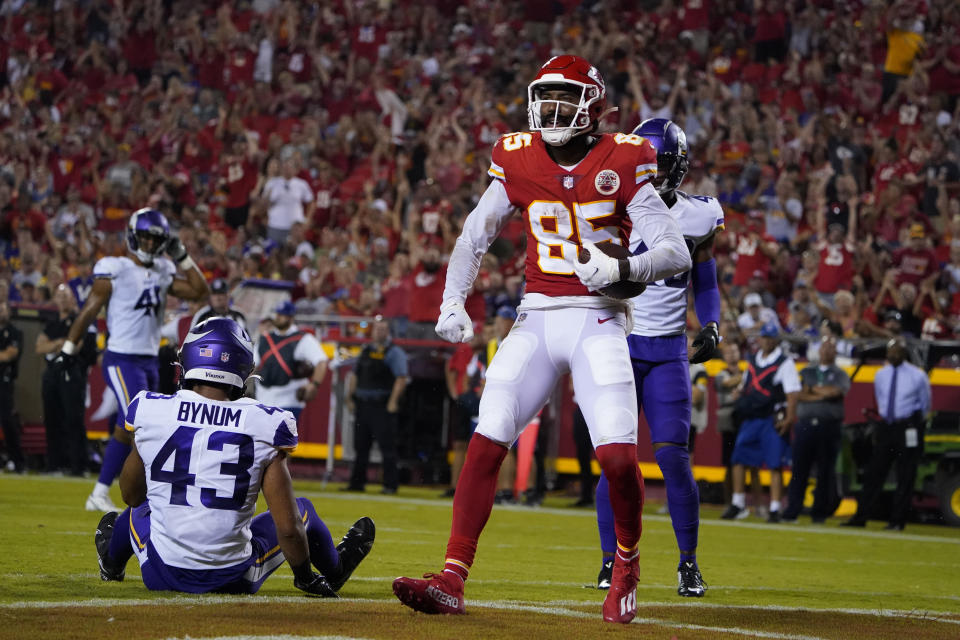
(204, 462)
(135, 309)
(661, 310)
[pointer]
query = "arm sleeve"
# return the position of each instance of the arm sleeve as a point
(309, 350)
(844, 381)
(397, 361)
(706, 293)
(927, 399)
(879, 390)
(480, 228)
(652, 223)
(106, 268)
(130, 418)
(789, 378)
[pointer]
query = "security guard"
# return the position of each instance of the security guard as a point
(64, 387)
(816, 439)
(903, 397)
(373, 392)
(11, 346)
(285, 356)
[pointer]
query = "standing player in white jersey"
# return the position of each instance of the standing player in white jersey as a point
(200, 459)
(575, 187)
(659, 354)
(134, 290)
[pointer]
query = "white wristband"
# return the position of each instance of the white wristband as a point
(186, 263)
(68, 348)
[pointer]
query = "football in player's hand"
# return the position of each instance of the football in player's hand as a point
(619, 290)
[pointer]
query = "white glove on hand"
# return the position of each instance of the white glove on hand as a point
(599, 271)
(454, 324)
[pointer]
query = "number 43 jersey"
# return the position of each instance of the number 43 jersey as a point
(137, 302)
(562, 206)
(204, 462)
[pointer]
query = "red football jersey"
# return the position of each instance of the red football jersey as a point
(836, 267)
(563, 207)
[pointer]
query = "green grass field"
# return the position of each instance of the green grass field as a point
(531, 579)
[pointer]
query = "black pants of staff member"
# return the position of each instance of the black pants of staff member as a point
(63, 395)
(374, 422)
(890, 447)
(815, 441)
(11, 426)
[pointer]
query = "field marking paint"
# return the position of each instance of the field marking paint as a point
(882, 613)
(670, 624)
(553, 605)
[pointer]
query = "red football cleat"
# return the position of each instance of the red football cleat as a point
(621, 602)
(439, 593)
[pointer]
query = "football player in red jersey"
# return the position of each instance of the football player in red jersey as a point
(574, 187)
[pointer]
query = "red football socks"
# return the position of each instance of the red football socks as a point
(619, 464)
(473, 501)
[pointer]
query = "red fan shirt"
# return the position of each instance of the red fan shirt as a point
(836, 267)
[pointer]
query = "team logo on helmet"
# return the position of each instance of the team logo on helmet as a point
(607, 182)
(595, 75)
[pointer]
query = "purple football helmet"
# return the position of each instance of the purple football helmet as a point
(671, 144)
(147, 234)
(217, 350)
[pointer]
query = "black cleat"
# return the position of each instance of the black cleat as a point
(354, 547)
(774, 517)
(108, 572)
(605, 575)
(690, 582)
(734, 512)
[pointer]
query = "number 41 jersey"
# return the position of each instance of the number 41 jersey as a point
(562, 206)
(204, 461)
(137, 302)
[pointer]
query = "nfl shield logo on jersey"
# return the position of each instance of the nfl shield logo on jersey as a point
(607, 182)
(568, 182)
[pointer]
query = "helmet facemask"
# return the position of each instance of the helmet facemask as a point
(559, 120)
(149, 246)
(147, 235)
(671, 170)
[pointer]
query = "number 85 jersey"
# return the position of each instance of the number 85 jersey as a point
(562, 206)
(204, 462)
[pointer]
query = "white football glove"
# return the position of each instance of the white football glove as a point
(599, 271)
(454, 324)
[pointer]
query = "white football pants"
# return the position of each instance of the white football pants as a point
(542, 346)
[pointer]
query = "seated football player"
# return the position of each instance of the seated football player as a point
(200, 458)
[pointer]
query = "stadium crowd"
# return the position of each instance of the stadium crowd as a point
(340, 145)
